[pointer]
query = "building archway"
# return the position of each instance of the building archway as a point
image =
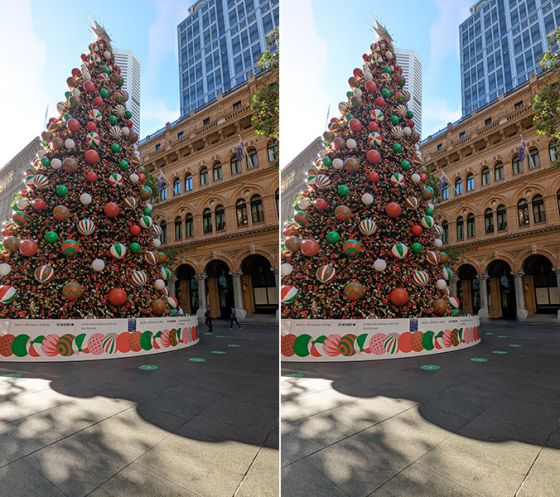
(468, 289)
(186, 288)
(258, 283)
(219, 289)
(501, 290)
(540, 285)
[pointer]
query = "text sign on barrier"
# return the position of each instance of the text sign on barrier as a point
(370, 339)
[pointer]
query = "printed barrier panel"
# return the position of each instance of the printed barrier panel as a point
(318, 340)
(38, 340)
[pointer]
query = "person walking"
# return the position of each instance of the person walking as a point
(208, 321)
(233, 318)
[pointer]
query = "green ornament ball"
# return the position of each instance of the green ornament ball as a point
(327, 162)
(397, 148)
(61, 190)
(123, 164)
(429, 211)
(128, 114)
(388, 70)
(15, 207)
(409, 114)
(333, 236)
(455, 313)
(394, 120)
(349, 94)
(343, 190)
(402, 81)
(104, 92)
(113, 120)
(135, 247)
(45, 162)
(116, 148)
(106, 69)
(147, 211)
(51, 236)
(67, 94)
(405, 164)
(67, 117)
(416, 247)
(349, 116)
(386, 92)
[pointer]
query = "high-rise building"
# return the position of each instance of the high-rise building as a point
(130, 71)
(501, 44)
(220, 43)
(412, 71)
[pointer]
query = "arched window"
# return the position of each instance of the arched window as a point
(217, 171)
(445, 234)
(189, 226)
(277, 198)
(220, 216)
(523, 212)
(460, 233)
(163, 191)
(470, 225)
(241, 212)
(188, 182)
(501, 217)
(203, 176)
(534, 159)
(163, 234)
(207, 221)
(458, 186)
(516, 165)
(485, 176)
(272, 151)
(538, 209)
(470, 182)
(176, 186)
(178, 228)
(252, 158)
(554, 151)
(488, 221)
(499, 171)
(257, 213)
(235, 164)
(445, 191)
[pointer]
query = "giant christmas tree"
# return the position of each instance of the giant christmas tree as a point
(81, 242)
(363, 242)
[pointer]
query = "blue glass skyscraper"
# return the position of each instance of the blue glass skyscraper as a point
(501, 44)
(220, 43)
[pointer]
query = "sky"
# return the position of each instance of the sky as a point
(41, 41)
(322, 42)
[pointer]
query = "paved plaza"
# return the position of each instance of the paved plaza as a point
(203, 424)
(390, 429)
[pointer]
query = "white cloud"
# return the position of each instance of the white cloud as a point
(303, 97)
(24, 99)
(436, 113)
(155, 113)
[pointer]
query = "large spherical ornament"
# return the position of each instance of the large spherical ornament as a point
(399, 250)
(135, 230)
(39, 204)
(343, 213)
(373, 156)
(398, 296)
(93, 140)
(159, 284)
(146, 193)
(302, 218)
(91, 156)
(337, 164)
(353, 290)
(72, 290)
(28, 248)
(443, 257)
(415, 178)
(351, 143)
(89, 87)
(310, 248)
(322, 181)
(146, 222)
(397, 179)
(379, 265)
(441, 284)
(91, 176)
(420, 278)
(288, 294)
(293, 243)
(70, 248)
(355, 125)
(352, 248)
(61, 213)
(380, 101)
(86, 227)
(151, 258)
(367, 199)
(304, 204)
(115, 132)
(397, 148)
(285, 269)
(333, 236)
(85, 199)
(118, 250)
(7, 294)
(393, 209)
(69, 144)
(447, 273)
(428, 193)
(43, 273)
(454, 302)
(397, 132)
(40, 181)
(117, 297)
(416, 230)
(70, 165)
(367, 227)
(61, 190)
(111, 209)
(125, 131)
(159, 306)
(375, 139)
(440, 307)
(412, 202)
(165, 273)
(11, 243)
(416, 247)
(438, 229)
(51, 237)
(98, 265)
(343, 190)
(115, 148)
(351, 164)
(162, 257)
(438, 242)
(5, 269)
(433, 257)
(134, 247)
(139, 278)
(427, 222)
(156, 242)
(130, 203)
(56, 163)
(325, 273)
(20, 218)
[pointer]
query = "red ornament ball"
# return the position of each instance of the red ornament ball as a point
(321, 204)
(73, 125)
(310, 248)
(399, 296)
(91, 126)
(416, 230)
(371, 86)
(117, 296)
(91, 176)
(39, 204)
(135, 230)
(393, 209)
(76, 72)
(380, 101)
(423, 177)
(90, 87)
(91, 156)
(355, 125)
(373, 177)
(159, 306)
(98, 102)
(142, 177)
(373, 156)
(373, 126)
(440, 307)
(28, 248)
(111, 209)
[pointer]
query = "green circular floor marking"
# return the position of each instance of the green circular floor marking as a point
(11, 375)
(515, 345)
(197, 359)
(233, 345)
(499, 352)
(479, 359)
(217, 352)
(429, 367)
(148, 367)
(295, 375)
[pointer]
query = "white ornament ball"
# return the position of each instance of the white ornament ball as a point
(76, 92)
(134, 178)
(286, 269)
(85, 199)
(438, 242)
(56, 163)
(98, 265)
(60, 107)
(441, 284)
(125, 130)
(40, 153)
(342, 106)
(389, 55)
(69, 143)
(304, 203)
(357, 92)
(367, 199)
(149, 205)
(5, 269)
(156, 242)
(379, 265)
(407, 131)
(107, 55)
(322, 153)
(159, 284)
(337, 163)
(23, 203)
(351, 143)
(368, 76)
(429, 205)
(415, 178)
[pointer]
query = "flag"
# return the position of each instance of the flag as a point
(442, 183)
(522, 149)
(240, 150)
(161, 180)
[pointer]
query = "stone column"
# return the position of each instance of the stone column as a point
(238, 295)
(201, 295)
(483, 312)
(520, 296)
(453, 285)
(172, 281)
(557, 270)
